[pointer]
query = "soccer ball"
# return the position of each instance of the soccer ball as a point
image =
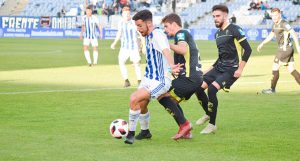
(118, 128)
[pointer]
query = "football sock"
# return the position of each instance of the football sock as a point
(87, 56)
(213, 103)
(123, 70)
(144, 121)
(202, 99)
(296, 75)
(173, 109)
(133, 119)
(138, 73)
(274, 79)
(95, 56)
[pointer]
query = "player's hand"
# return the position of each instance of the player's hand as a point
(113, 46)
(176, 68)
(80, 37)
(259, 47)
(238, 73)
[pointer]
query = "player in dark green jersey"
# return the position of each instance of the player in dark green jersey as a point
(231, 42)
(285, 52)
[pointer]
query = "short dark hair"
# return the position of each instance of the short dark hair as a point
(144, 15)
(90, 7)
(275, 10)
(222, 8)
(170, 18)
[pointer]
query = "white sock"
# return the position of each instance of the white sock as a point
(138, 73)
(123, 70)
(87, 56)
(144, 121)
(95, 54)
(133, 119)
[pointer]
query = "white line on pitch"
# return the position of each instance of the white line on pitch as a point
(103, 89)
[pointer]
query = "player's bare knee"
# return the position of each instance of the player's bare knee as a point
(204, 85)
(275, 66)
(291, 67)
(216, 85)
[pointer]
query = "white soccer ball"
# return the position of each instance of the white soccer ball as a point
(118, 128)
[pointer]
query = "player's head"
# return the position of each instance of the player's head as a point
(89, 10)
(220, 15)
(172, 23)
(126, 13)
(276, 15)
(143, 21)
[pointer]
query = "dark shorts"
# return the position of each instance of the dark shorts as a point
(183, 88)
(224, 79)
(284, 56)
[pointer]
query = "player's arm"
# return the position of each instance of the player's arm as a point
(295, 38)
(180, 48)
(82, 29)
(174, 67)
(100, 30)
(247, 52)
(118, 37)
(269, 38)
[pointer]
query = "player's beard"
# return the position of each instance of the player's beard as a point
(219, 25)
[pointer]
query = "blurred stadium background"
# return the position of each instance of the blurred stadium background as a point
(61, 18)
(53, 107)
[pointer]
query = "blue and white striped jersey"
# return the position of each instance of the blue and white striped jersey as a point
(129, 35)
(157, 66)
(90, 24)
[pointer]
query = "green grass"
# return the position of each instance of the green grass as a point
(55, 108)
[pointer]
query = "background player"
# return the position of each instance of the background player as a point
(285, 53)
(157, 79)
(88, 32)
(226, 70)
(128, 34)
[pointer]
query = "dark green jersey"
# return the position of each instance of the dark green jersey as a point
(229, 48)
(279, 29)
(191, 68)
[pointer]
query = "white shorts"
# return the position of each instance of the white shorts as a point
(94, 42)
(156, 88)
(134, 55)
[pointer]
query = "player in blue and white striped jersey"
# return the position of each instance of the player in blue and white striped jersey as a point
(128, 34)
(157, 78)
(88, 33)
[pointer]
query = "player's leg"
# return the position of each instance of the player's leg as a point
(136, 58)
(86, 43)
(294, 72)
(144, 122)
(202, 97)
(123, 56)
(275, 78)
(138, 100)
(95, 51)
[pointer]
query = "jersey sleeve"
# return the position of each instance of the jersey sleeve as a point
(96, 19)
(161, 41)
(181, 36)
(239, 34)
(286, 26)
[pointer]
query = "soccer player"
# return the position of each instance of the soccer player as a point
(88, 32)
(128, 34)
(285, 52)
(188, 79)
(157, 78)
(226, 70)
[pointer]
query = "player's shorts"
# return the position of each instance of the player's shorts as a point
(156, 88)
(183, 88)
(224, 79)
(284, 57)
(87, 42)
(134, 55)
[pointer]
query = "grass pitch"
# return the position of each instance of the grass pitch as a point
(54, 107)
